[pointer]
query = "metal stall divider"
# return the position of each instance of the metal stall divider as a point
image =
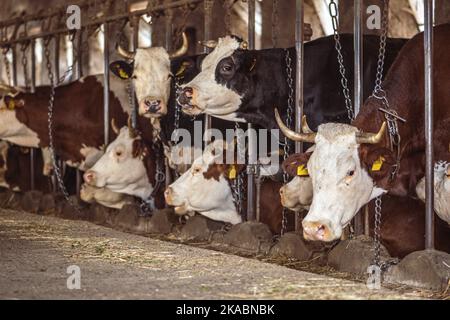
(251, 167)
(299, 48)
(358, 93)
(207, 6)
(429, 150)
(106, 82)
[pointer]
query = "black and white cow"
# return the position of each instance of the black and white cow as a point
(246, 85)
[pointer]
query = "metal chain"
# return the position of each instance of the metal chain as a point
(382, 49)
(23, 49)
(275, 23)
(289, 121)
(7, 66)
(377, 231)
(333, 9)
(50, 121)
(237, 186)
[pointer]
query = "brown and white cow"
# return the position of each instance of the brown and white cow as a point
(342, 166)
(441, 190)
(104, 196)
(206, 188)
(128, 166)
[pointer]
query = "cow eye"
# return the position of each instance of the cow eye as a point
(351, 173)
(118, 153)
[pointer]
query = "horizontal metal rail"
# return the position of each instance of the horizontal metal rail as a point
(100, 21)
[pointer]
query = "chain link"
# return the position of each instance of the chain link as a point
(382, 49)
(333, 9)
(23, 49)
(237, 185)
(7, 66)
(289, 122)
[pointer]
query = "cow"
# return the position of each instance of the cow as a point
(403, 219)
(353, 164)
(206, 188)
(245, 85)
(129, 165)
(441, 190)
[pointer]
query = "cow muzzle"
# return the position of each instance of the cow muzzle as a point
(187, 99)
(152, 107)
(171, 199)
(317, 231)
(90, 177)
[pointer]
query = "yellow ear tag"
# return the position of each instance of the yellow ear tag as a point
(232, 173)
(302, 170)
(377, 164)
(11, 104)
(123, 74)
(181, 70)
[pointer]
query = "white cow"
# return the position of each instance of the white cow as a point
(204, 189)
(124, 166)
(441, 190)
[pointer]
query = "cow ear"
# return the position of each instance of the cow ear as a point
(12, 103)
(122, 69)
(181, 70)
(296, 164)
(377, 161)
(138, 149)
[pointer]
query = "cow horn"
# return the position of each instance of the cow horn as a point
(305, 127)
(14, 91)
(371, 138)
(182, 50)
(125, 53)
(114, 126)
(303, 137)
(211, 44)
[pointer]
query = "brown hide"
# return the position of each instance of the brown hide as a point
(77, 116)
(404, 85)
(403, 226)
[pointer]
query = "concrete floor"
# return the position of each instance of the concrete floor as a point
(35, 252)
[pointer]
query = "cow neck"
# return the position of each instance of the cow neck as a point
(404, 98)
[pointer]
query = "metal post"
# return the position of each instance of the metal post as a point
(299, 31)
(33, 89)
(358, 84)
(208, 5)
(429, 152)
(78, 52)
(168, 39)
(14, 66)
(250, 167)
(56, 58)
(106, 83)
(135, 44)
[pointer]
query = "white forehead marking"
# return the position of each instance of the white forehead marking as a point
(225, 48)
(152, 68)
(333, 132)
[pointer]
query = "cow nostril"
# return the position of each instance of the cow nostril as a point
(188, 92)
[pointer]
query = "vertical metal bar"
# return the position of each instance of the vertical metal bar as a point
(33, 66)
(14, 66)
(357, 84)
(168, 38)
(56, 43)
(78, 53)
(33, 89)
(208, 5)
(429, 152)
(106, 83)
(135, 44)
(299, 48)
(250, 167)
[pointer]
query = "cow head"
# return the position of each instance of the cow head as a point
(441, 190)
(123, 168)
(149, 69)
(297, 194)
(224, 78)
(342, 179)
(205, 187)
